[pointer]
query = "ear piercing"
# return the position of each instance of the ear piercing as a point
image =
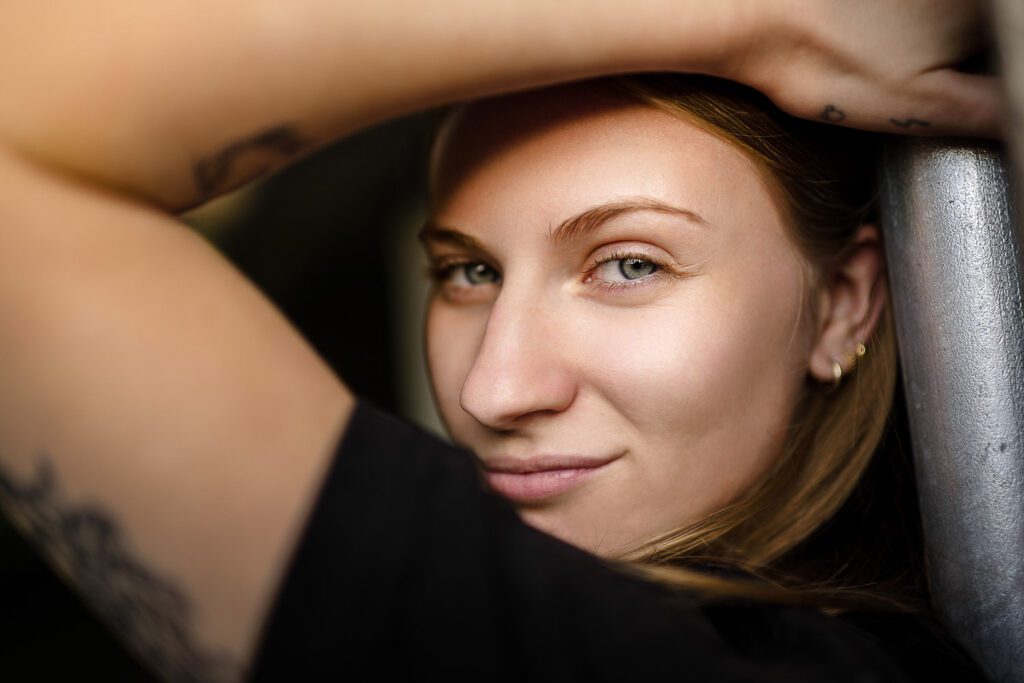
(852, 357)
(837, 373)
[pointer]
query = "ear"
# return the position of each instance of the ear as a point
(849, 305)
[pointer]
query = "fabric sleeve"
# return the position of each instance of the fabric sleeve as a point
(408, 566)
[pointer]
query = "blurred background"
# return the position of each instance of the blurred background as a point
(331, 240)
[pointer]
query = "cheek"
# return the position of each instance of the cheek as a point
(719, 358)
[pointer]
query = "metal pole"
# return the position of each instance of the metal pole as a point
(955, 271)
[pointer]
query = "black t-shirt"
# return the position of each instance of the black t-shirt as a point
(409, 566)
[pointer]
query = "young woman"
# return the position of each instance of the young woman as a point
(623, 340)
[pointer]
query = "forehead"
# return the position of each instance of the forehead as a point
(566, 148)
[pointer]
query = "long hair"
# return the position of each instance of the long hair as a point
(801, 525)
(811, 529)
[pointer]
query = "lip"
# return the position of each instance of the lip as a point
(535, 479)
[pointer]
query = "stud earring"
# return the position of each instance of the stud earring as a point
(858, 352)
(837, 374)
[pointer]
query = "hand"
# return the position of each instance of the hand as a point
(885, 65)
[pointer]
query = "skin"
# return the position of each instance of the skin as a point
(167, 397)
(686, 374)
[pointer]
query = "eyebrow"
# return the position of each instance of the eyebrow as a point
(571, 229)
(439, 234)
(590, 220)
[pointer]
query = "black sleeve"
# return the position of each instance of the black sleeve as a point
(408, 566)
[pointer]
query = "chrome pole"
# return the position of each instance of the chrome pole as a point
(954, 256)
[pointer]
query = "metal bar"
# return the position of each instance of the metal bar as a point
(955, 271)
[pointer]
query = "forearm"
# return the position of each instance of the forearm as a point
(150, 98)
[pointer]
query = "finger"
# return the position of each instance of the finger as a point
(948, 102)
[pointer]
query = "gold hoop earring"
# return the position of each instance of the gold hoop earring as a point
(854, 356)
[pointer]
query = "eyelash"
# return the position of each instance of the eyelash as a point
(663, 269)
(439, 272)
(443, 269)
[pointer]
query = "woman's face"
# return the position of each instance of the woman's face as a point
(616, 329)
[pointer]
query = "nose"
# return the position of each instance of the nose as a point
(522, 368)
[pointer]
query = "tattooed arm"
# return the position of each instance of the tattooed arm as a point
(134, 97)
(162, 427)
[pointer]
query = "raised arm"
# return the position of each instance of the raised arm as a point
(163, 429)
(176, 101)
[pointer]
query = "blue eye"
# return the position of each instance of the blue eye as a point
(635, 268)
(619, 269)
(463, 274)
(479, 273)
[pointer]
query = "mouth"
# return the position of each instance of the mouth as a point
(536, 479)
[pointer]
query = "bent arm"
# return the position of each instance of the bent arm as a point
(163, 429)
(173, 101)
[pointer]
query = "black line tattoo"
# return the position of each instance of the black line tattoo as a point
(832, 114)
(151, 615)
(908, 123)
(213, 172)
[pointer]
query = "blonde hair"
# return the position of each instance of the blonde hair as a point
(823, 177)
